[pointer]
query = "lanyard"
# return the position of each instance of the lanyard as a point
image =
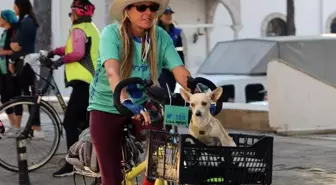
(144, 54)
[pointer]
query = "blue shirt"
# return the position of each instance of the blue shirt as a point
(175, 35)
(26, 35)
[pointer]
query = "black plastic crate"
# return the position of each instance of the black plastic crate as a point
(184, 160)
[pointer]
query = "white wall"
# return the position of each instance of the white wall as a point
(298, 101)
(188, 12)
(223, 30)
(311, 17)
(254, 12)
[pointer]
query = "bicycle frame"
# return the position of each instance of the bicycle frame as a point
(131, 175)
(137, 170)
(49, 82)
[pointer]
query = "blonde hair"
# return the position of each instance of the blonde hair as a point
(126, 54)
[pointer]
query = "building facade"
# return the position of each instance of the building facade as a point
(205, 22)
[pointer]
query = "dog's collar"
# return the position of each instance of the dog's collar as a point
(200, 131)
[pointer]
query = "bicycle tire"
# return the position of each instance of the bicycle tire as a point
(56, 122)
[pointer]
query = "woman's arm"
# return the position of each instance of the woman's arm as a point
(173, 62)
(5, 52)
(181, 75)
(78, 39)
(109, 54)
(60, 51)
(112, 69)
(26, 30)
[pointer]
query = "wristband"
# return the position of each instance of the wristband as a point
(126, 100)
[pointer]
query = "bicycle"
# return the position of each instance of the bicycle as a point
(133, 167)
(37, 103)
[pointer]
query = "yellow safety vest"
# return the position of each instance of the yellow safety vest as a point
(84, 69)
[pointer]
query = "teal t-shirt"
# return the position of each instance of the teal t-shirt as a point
(101, 95)
(3, 62)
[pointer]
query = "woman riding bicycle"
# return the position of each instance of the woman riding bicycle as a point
(80, 58)
(134, 47)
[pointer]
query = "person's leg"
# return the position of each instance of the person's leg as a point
(14, 118)
(27, 82)
(75, 115)
(17, 92)
(20, 88)
(5, 97)
(76, 112)
(106, 133)
(30, 77)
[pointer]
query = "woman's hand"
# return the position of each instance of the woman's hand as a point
(15, 46)
(11, 68)
(138, 111)
(181, 74)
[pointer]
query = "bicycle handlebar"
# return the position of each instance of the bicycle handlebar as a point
(44, 60)
(122, 84)
(191, 83)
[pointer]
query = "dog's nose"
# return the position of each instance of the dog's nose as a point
(198, 113)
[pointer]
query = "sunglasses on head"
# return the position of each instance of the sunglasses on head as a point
(143, 8)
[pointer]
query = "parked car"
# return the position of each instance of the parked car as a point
(238, 88)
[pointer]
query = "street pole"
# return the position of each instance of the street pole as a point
(22, 160)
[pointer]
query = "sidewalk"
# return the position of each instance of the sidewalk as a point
(297, 161)
(43, 175)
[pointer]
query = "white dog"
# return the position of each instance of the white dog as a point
(203, 126)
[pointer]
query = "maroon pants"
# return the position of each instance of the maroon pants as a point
(107, 132)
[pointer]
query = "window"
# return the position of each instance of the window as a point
(276, 27)
(254, 92)
(333, 26)
(228, 94)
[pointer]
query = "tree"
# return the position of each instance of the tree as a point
(43, 10)
(291, 29)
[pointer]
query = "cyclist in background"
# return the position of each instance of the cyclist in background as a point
(166, 22)
(8, 21)
(133, 47)
(80, 58)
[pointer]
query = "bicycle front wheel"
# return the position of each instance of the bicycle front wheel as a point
(39, 149)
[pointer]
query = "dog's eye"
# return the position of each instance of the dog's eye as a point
(204, 103)
(192, 104)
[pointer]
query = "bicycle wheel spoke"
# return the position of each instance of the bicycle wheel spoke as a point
(40, 148)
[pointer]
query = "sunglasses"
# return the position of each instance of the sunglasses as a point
(70, 14)
(143, 8)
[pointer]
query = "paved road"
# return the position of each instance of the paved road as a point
(297, 161)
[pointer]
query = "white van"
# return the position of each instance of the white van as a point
(238, 88)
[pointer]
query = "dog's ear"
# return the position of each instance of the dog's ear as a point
(216, 94)
(185, 94)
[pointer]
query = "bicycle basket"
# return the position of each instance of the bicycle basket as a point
(188, 161)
